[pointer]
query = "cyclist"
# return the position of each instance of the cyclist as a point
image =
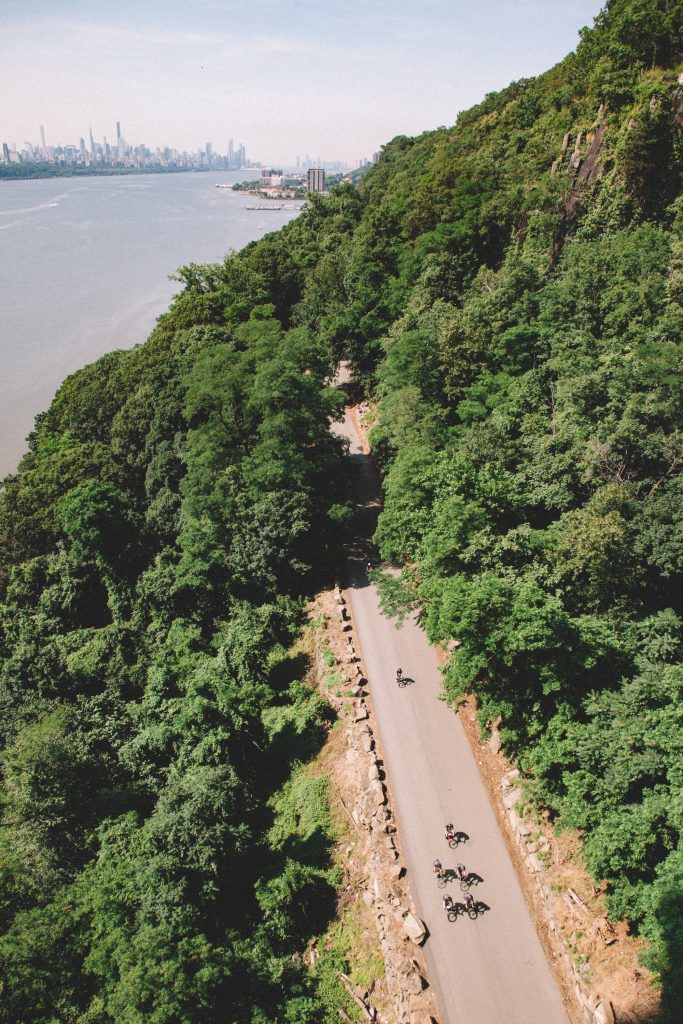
(399, 675)
(437, 868)
(460, 872)
(449, 832)
(469, 902)
(447, 902)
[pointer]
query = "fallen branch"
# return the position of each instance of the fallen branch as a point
(578, 901)
(368, 1011)
(570, 907)
(341, 800)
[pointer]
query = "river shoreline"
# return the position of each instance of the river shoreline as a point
(85, 268)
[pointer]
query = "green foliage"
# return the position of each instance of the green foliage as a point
(178, 503)
(529, 432)
(164, 851)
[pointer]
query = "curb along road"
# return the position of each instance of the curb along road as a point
(491, 970)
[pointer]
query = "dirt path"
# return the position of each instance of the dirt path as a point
(491, 970)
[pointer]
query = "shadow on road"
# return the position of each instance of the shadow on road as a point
(360, 551)
(405, 681)
(458, 838)
(460, 910)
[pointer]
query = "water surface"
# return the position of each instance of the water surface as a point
(84, 268)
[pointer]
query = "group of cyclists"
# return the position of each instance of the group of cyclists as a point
(471, 906)
(460, 873)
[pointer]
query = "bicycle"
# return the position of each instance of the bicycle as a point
(450, 908)
(439, 873)
(472, 909)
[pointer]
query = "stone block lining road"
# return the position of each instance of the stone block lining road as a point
(492, 970)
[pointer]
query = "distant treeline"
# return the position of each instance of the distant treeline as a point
(11, 172)
(246, 186)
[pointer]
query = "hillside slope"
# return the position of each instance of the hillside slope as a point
(527, 367)
(509, 291)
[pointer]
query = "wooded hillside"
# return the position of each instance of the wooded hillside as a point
(509, 292)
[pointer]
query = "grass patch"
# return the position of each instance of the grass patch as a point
(344, 947)
(334, 680)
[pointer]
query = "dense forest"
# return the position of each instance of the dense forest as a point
(45, 169)
(509, 293)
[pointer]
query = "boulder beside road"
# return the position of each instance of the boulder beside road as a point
(415, 929)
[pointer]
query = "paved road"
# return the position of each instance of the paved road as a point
(492, 970)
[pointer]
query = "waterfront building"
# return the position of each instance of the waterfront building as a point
(271, 176)
(316, 179)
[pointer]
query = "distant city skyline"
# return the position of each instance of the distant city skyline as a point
(121, 153)
(323, 76)
(100, 150)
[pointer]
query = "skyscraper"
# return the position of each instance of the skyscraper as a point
(92, 144)
(42, 141)
(316, 179)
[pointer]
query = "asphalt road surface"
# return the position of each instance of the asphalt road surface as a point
(491, 970)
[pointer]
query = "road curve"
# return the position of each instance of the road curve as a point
(492, 970)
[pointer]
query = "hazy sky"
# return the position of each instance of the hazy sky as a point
(332, 79)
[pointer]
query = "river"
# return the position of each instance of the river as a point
(84, 269)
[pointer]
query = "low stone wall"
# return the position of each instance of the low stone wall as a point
(400, 932)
